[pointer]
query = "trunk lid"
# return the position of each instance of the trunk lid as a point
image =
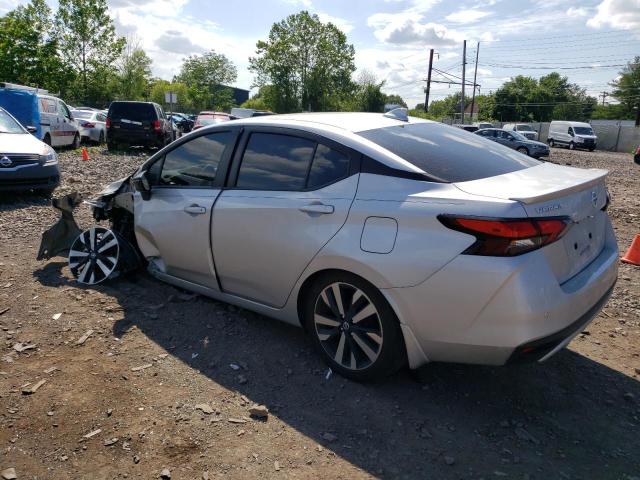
(550, 190)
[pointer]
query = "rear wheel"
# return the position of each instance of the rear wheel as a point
(47, 139)
(353, 327)
(523, 150)
(76, 141)
(101, 138)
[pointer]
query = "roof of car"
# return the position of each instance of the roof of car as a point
(349, 121)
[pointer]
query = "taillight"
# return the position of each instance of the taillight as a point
(507, 237)
(108, 122)
(156, 125)
(638, 150)
(87, 124)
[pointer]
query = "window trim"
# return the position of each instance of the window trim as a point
(353, 156)
(223, 166)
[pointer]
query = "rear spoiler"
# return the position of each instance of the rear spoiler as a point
(536, 184)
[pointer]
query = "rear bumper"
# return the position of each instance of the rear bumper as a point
(135, 137)
(484, 309)
(36, 177)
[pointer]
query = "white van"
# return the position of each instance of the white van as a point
(523, 129)
(572, 134)
(49, 116)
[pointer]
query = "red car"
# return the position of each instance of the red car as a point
(636, 156)
(211, 118)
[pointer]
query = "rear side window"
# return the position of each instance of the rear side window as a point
(195, 163)
(448, 154)
(138, 112)
(275, 162)
(328, 166)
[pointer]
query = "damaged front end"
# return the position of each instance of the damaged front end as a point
(97, 253)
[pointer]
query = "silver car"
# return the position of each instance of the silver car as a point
(391, 240)
(91, 125)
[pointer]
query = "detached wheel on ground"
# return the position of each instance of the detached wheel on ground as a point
(94, 256)
(353, 327)
(523, 150)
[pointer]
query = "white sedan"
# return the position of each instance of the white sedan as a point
(91, 125)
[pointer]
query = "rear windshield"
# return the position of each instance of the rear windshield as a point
(139, 112)
(82, 114)
(448, 154)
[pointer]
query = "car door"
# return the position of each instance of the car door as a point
(290, 194)
(488, 134)
(505, 138)
(172, 227)
(66, 123)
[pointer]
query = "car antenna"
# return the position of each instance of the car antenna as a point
(401, 114)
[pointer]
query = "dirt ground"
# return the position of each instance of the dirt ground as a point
(166, 379)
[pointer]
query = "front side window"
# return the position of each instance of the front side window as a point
(194, 163)
(447, 154)
(275, 162)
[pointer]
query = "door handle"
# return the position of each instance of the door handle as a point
(317, 208)
(195, 209)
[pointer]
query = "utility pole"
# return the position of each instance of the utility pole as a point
(475, 75)
(464, 63)
(604, 95)
(428, 89)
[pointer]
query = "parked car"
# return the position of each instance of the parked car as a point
(468, 128)
(522, 129)
(514, 140)
(636, 156)
(26, 163)
(572, 134)
(210, 118)
(137, 124)
(50, 116)
(92, 125)
(482, 125)
(183, 123)
(390, 240)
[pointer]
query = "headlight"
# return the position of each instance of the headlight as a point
(579, 140)
(49, 157)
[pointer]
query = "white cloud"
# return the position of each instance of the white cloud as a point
(343, 24)
(577, 12)
(467, 16)
(618, 14)
(298, 3)
(407, 29)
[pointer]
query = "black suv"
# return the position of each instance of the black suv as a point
(137, 124)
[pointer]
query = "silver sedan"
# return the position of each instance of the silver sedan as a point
(91, 125)
(391, 240)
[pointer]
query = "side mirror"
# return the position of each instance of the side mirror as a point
(31, 129)
(141, 184)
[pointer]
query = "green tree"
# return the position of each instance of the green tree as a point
(308, 63)
(626, 88)
(264, 100)
(134, 72)
(205, 76)
(159, 87)
(28, 54)
(395, 99)
(88, 42)
(615, 111)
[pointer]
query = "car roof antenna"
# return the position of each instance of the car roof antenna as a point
(401, 114)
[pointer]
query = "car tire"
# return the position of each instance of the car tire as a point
(76, 142)
(47, 139)
(112, 146)
(591, 149)
(101, 138)
(572, 146)
(524, 150)
(360, 340)
(551, 143)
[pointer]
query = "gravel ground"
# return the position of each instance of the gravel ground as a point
(166, 380)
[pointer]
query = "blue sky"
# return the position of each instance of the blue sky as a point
(587, 39)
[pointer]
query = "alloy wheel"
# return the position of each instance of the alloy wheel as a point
(348, 325)
(94, 255)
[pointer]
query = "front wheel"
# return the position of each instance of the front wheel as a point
(353, 327)
(572, 146)
(523, 150)
(551, 144)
